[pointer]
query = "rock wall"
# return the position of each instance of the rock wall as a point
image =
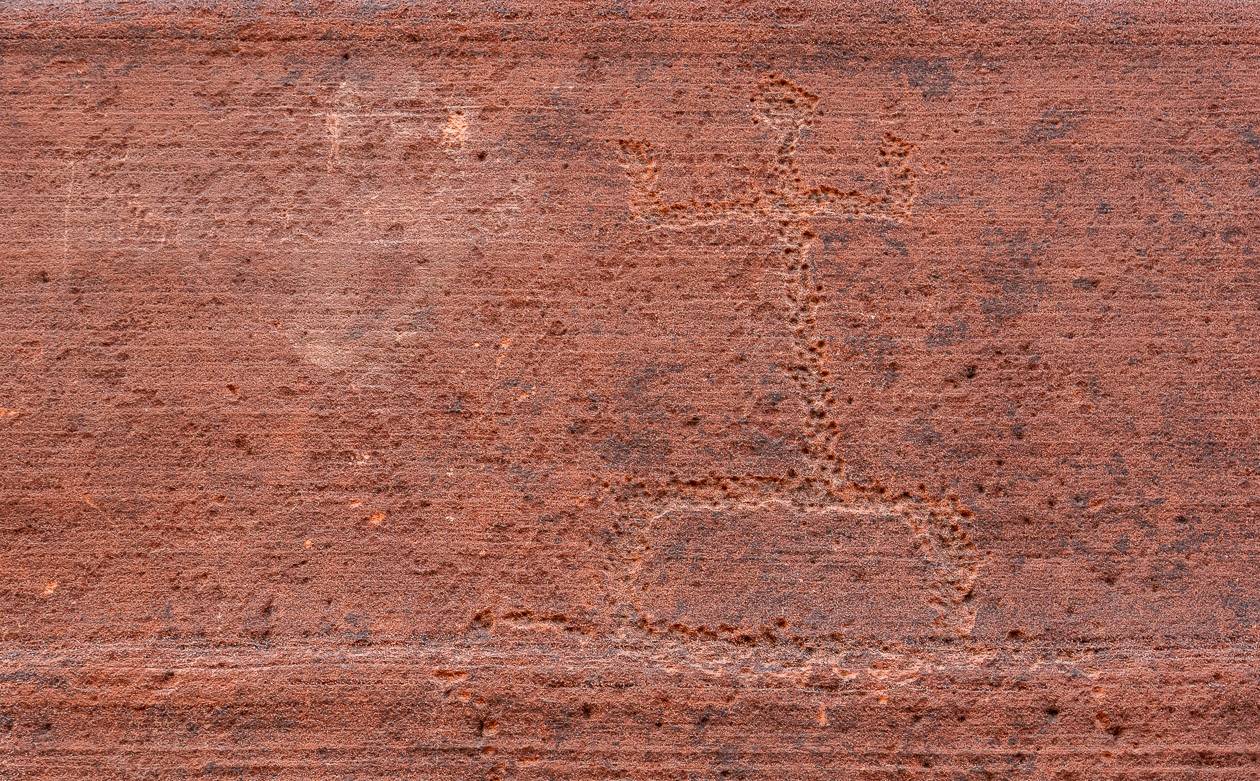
(629, 390)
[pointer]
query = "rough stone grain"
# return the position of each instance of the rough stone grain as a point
(629, 390)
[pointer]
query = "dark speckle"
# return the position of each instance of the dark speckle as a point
(922, 432)
(932, 78)
(946, 335)
(640, 450)
(1053, 124)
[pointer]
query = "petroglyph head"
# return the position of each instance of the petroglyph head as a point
(782, 105)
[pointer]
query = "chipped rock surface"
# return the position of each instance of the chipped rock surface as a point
(629, 390)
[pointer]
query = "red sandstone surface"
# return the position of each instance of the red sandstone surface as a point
(629, 390)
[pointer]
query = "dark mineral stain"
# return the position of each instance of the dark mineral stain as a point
(931, 77)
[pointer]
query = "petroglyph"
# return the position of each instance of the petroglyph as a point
(938, 525)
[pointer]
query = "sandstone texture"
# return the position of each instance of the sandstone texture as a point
(625, 390)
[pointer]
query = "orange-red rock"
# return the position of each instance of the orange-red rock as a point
(629, 390)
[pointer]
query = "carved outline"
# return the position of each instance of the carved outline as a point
(939, 525)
